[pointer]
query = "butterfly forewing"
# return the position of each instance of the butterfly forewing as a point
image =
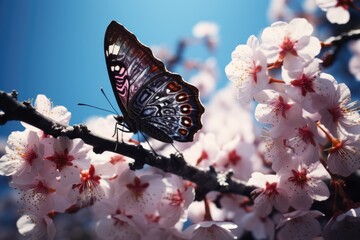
(130, 64)
(152, 100)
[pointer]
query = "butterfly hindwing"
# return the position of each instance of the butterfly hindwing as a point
(171, 105)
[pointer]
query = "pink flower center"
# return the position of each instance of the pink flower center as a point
(336, 114)
(287, 46)
(299, 177)
(61, 159)
(306, 135)
(305, 83)
(270, 189)
(281, 107)
(29, 155)
(42, 189)
(88, 180)
(137, 188)
(176, 199)
(233, 157)
(255, 71)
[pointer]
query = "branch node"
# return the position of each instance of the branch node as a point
(14, 94)
(80, 130)
(57, 130)
(98, 150)
(177, 163)
(136, 165)
(224, 178)
(27, 103)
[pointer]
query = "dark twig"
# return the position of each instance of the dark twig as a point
(206, 181)
(335, 43)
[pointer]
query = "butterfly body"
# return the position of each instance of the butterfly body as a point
(152, 99)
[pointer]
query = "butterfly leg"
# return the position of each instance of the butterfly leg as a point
(149, 144)
(177, 153)
(119, 127)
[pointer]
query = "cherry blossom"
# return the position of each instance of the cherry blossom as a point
(290, 43)
(23, 158)
(41, 196)
(139, 194)
(269, 194)
(203, 152)
(305, 143)
(277, 152)
(36, 227)
(309, 87)
(337, 11)
(43, 105)
(248, 69)
(299, 224)
(211, 230)
(197, 209)
(260, 227)
(234, 208)
(106, 127)
(114, 222)
(279, 9)
(240, 157)
(175, 201)
(304, 184)
(209, 31)
(341, 113)
(344, 155)
(278, 110)
(66, 158)
(91, 188)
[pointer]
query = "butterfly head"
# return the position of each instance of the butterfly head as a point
(126, 123)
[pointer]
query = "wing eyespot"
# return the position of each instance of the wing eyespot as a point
(182, 97)
(183, 131)
(186, 121)
(185, 109)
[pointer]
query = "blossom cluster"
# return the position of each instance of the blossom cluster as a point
(337, 11)
(58, 175)
(312, 125)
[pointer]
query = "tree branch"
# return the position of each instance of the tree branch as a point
(335, 43)
(206, 181)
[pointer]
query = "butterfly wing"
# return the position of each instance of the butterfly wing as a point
(130, 64)
(157, 102)
(170, 105)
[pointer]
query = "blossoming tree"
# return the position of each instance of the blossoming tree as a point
(289, 181)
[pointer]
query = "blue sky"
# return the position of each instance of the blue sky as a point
(56, 47)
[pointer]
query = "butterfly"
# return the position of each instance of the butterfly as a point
(152, 100)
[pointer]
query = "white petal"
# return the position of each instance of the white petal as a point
(338, 15)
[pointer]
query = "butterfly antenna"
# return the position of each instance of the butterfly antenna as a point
(103, 92)
(92, 106)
